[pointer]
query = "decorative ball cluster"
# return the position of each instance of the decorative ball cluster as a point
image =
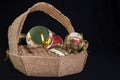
(40, 36)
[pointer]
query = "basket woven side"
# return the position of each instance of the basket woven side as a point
(72, 64)
(50, 66)
(41, 66)
(17, 62)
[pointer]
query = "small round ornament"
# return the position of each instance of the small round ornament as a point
(73, 42)
(57, 40)
(39, 36)
(58, 51)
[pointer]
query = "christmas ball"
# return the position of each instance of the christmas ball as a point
(39, 36)
(57, 40)
(58, 51)
(73, 42)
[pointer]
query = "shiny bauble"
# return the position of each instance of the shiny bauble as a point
(73, 42)
(39, 36)
(58, 51)
(57, 40)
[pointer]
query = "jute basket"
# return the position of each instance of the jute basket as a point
(43, 65)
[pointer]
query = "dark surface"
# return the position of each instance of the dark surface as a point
(98, 20)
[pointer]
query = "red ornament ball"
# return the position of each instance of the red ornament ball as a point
(57, 40)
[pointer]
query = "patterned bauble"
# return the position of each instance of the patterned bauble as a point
(58, 51)
(39, 36)
(73, 42)
(57, 40)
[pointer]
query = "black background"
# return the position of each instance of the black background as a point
(98, 20)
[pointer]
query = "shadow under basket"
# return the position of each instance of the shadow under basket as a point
(46, 66)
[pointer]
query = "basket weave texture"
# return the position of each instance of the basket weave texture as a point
(41, 63)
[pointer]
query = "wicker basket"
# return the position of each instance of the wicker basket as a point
(48, 66)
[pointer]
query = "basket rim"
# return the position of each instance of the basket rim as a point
(81, 53)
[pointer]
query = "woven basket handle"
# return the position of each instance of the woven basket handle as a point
(16, 27)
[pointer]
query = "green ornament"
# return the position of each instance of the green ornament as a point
(39, 36)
